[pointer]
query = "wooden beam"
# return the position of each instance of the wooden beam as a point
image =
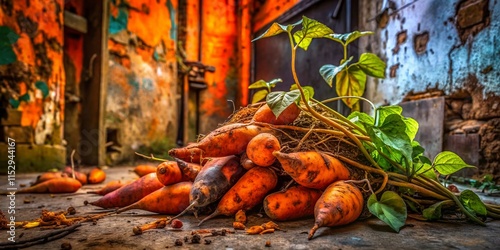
(75, 22)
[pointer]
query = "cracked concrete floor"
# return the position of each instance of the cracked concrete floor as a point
(115, 232)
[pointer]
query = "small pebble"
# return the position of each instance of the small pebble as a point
(196, 239)
(268, 243)
(207, 242)
(186, 239)
(71, 210)
(66, 246)
(178, 242)
(176, 223)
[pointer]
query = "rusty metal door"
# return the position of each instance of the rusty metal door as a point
(272, 55)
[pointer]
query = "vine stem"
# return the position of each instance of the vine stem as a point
(319, 116)
(369, 169)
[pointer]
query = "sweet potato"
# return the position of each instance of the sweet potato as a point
(48, 176)
(213, 181)
(142, 170)
(53, 186)
(171, 199)
(312, 169)
(110, 187)
(96, 176)
(130, 193)
(341, 203)
(265, 114)
(247, 192)
(81, 177)
(227, 140)
(293, 203)
(260, 149)
(168, 173)
(189, 170)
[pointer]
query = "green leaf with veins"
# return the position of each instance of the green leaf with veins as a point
(411, 127)
(349, 37)
(277, 29)
(263, 84)
(416, 149)
(361, 119)
(308, 91)
(310, 29)
(279, 100)
(391, 209)
(384, 111)
(434, 211)
(372, 65)
(425, 169)
(328, 71)
(447, 163)
(472, 202)
(350, 82)
(259, 95)
(392, 133)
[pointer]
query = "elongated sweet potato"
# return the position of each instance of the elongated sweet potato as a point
(110, 187)
(142, 170)
(247, 192)
(293, 203)
(81, 177)
(341, 203)
(189, 170)
(228, 140)
(312, 169)
(48, 176)
(265, 114)
(130, 193)
(213, 181)
(168, 173)
(260, 149)
(53, 186)
(96, 176)
(171, 199)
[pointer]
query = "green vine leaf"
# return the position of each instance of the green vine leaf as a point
(447, 163)
(279, 100)
(361, 119)
(411, 127)
(263, 84)
(425, 169)
(391, 209)
(349, 37)
(8, 55)
(328, 71)
(350, 82)
(259, 95)
(372, 65)
(277, 29)
(384, 111)
(392, 133)
(433, 212)
(472, 202)
(308, 91)
(310, 29)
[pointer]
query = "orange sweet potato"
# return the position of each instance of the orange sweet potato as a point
(168, 173)
(96, 176)
(260, 149)
(81, 177)
(55, 185)
(312, 169)
(213, 181)
(247, 192)
(130, 193)
(110, 187)
(171, 199)
(142, 170)
(48, 176)
(227, 140)
(293, 203)
(189, 170)
(341, 203)
(265, 114)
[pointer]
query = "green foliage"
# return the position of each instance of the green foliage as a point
(279, 101)
(433, 212)
(447, 163)
(265, 88)
(7, 38)
(391, 209)
(472, 202)
(310, 29)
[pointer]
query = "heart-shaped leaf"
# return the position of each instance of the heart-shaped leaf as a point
(259, 95)
(350, 82)
(279, 100)
(391, 209)
(308, 91)
(349, 37)
(263, 84)
(447, 163)
(277, 29)
(472, 202)
(372, 65)
(434, 211)
(310, 29)
(328, 71)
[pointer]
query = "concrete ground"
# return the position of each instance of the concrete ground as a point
(115, 232)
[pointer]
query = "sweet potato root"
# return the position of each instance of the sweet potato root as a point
(189, 170)
(265, 114)
(312, 169)
(81, 177)
(142, 170)
(293, 203)
(48, 176)
(341, 203)
(228, 140)
(96, 176)
(53, 186)
(168, 173)
(260, 149)
(171, 199)
(247, 192)
(110, 187)
(213, 181)
(130, 193)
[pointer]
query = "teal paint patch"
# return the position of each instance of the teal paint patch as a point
(173, 26)
(42, 86)
(120, 22)
(132, 80)
(14, 103)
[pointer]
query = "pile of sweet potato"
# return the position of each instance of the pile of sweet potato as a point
(241, 165)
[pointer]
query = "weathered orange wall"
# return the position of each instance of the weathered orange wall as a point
(270, 10)
(142, 84)
(39, 23)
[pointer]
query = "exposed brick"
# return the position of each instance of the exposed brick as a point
(472, 13)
